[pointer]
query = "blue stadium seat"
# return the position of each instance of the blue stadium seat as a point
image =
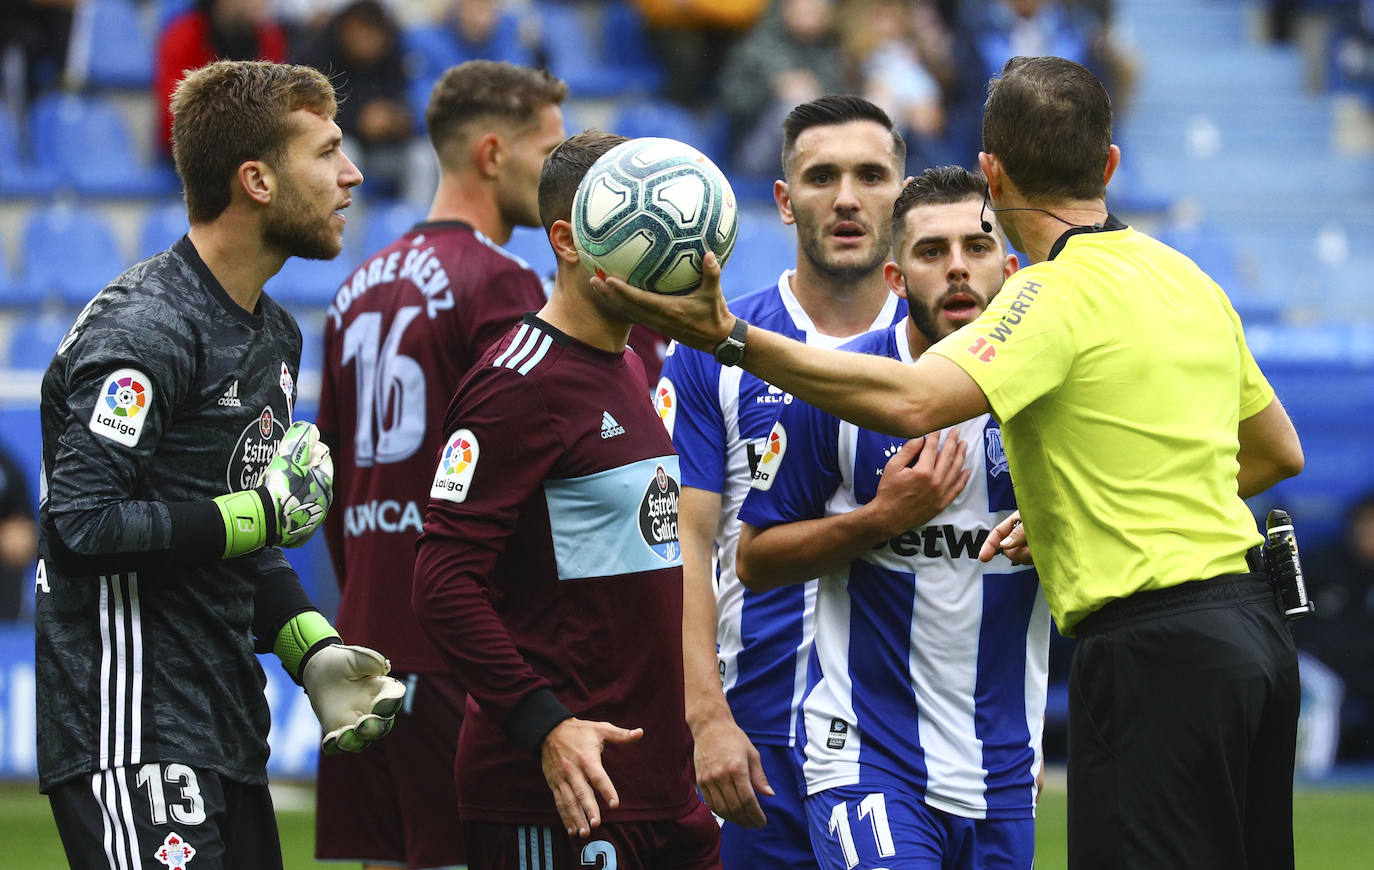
(627, 47)
(431, 49)
(312, 341)
(162, 226)
(66, 131)
(531, 244)
(308, 282)
(37, 333)
(656, 117)
(20, 176)
(121, 50)
(576, 53)
(764, 248)
(384, 222)
(70, 253)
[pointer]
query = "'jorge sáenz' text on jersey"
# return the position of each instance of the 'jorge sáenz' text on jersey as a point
(929, 667)
(719, 417)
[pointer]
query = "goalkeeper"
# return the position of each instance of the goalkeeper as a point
(172, 474)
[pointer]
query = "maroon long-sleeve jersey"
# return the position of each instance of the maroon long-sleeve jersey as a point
(399, 336)
(549, 574)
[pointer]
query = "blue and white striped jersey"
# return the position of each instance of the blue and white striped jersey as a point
(929, 667)
(719, 418)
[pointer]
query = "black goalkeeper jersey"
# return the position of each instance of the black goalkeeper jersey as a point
(164, 392)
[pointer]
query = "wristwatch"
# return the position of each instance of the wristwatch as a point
(731, 350)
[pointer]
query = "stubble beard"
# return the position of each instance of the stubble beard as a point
(927, 317)
(811, 240)
(293, 229)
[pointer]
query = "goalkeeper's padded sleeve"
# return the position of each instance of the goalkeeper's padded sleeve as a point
(300, 638)
(250, 521)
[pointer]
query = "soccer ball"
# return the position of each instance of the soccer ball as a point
(649, 210)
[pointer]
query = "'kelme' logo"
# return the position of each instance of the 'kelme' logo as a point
(658, 515)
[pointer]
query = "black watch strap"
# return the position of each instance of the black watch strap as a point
(731, 350)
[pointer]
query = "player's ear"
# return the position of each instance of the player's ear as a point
(992, 171)
(257, 180)
(1113, 161)
(488, 152)
(782, 195)
(1010, 266)
(896, 281)
(561, 238)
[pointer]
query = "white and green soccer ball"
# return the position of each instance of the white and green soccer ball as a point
(648, 211)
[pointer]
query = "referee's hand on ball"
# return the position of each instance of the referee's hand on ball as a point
(698, 319)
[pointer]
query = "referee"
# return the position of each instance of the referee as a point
(1135, 421)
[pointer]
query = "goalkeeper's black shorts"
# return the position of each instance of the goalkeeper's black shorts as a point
(157, 816)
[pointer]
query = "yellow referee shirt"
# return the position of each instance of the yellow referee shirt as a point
(1120, 374)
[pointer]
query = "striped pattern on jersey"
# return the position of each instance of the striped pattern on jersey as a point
(929, 667)
(121, 672)
(526, 350)
(720, 419)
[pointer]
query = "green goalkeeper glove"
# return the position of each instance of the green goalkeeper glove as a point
(354, 699)
(291, 499)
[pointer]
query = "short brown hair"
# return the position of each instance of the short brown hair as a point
(233, 111)
(938, 185)
(1049, 120)
(487, 89)
(833, 110)
(564, 170)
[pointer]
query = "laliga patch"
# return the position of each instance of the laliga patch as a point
(121, 409)
(453, 478)
(658, 515)
(665, 403)
(770, 458)
(174, 851)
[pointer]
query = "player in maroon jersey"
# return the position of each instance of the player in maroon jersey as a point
(549, 576)
(398, 339)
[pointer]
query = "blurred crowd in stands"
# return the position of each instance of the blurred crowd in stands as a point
(735, 65)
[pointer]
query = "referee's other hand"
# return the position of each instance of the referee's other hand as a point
(1008, 538)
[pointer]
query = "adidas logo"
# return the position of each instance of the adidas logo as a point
(230, 399)
(609, 427)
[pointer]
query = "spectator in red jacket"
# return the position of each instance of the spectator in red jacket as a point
(213, 30)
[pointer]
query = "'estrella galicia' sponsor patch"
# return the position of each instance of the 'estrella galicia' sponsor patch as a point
(839, 731)
(658, 515)
(453, 477)
(175, 852)
(253, 451)
(665, 403)
(122, 407)
(770, 457)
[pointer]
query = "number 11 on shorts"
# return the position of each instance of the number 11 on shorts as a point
(875, 808)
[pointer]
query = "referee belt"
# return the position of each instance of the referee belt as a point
(1152, 603)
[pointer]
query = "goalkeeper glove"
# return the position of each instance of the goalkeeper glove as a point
(353, 698)
(290, 501)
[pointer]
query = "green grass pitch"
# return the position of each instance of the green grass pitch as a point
(1332, 826)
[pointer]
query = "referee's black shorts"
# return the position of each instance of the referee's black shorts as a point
(1183, 711)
